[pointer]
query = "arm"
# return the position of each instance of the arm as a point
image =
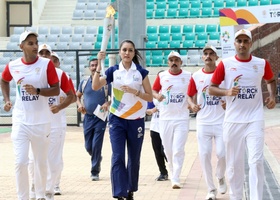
(5, 87)
(156, 89)
(217, 79)
(81, 107)
(97, 81)
(74, 99)
(193, 104)
(192, 96)
(53, 90)
(66, 102)
(151, 111)
(215, 90)
(147, 95)
(67, 88)
(271, 87)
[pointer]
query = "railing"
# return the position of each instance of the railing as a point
(73, 117)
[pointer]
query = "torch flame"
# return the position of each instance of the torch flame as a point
(110, 11)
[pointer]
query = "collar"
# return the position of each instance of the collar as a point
(132, 67)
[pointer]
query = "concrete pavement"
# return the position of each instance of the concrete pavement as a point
(76, 183)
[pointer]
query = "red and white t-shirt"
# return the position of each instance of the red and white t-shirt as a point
(211, 110)
(174, 88)
(247, 106)
(58, 119)
(31, 109)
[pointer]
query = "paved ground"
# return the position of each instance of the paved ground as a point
(76, 183)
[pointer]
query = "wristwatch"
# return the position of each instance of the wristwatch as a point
(38, 90)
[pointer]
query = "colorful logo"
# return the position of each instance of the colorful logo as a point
(19, 85)
(204, 90)
(168, 95)
(225, 36)
(228, 17)
(235, 83)
(236, 80)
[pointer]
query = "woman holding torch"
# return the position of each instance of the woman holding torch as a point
(131, 90)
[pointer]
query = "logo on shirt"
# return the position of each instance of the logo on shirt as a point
(255, 67)
(209, 100)
(135, 78)
(167, 96)
(19, 84)
(173, 97)
(247, 92)
(51, 101)
(23, 94)
(235, 83)
(37, 70)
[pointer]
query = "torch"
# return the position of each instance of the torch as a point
(107, 28)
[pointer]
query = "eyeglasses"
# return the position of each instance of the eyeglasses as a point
(239, 41)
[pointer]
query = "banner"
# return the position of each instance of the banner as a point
(234, 19)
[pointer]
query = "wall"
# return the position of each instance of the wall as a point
(37, 9)
(268, 41)
(3, 31)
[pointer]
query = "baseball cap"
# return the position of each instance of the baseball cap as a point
(243, 32)
(55, 55)
(45, 46)
(174, 54)
(25, 34)
(210, 47)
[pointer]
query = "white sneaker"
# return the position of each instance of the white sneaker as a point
(57, 190)
(211, 195)
(32, 194)
(222, 185)
(49, 196)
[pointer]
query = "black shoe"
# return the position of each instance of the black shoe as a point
(162, 177)
(120, 198)
(130, 196)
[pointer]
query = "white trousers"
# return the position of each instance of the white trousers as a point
(55, 160)
(238, 138)
(36, 136)
(205, 136)
(174, 134)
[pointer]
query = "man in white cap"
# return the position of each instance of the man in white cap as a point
(36, 80)
(59, 130)
(244, 122)
(45, 51)
(58, 126)
(209, 121)
(170, 89)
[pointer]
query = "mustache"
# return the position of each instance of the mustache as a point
(174, 65)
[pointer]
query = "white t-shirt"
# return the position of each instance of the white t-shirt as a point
(211, 110)
(174, 88)
(127, 105)
(247, 106)
(58, 120)
(31, 109)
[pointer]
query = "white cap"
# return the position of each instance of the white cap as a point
(25, 34)
(210, 47)
(55, 55)
(45, 46)
(174, 54)
(243, 32)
